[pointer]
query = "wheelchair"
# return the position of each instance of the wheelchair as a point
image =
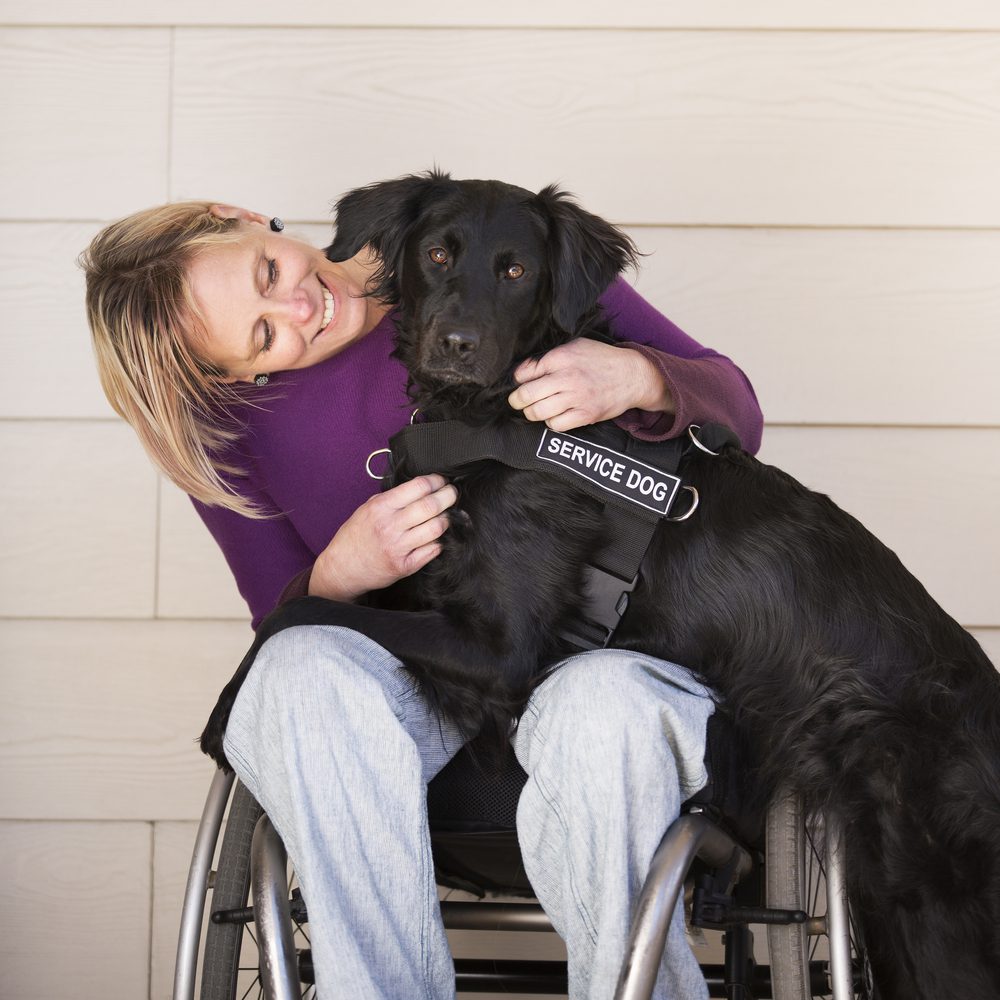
(736, 866)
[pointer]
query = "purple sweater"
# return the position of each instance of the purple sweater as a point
(310, 432)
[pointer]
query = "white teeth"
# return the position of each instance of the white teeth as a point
(328, 310)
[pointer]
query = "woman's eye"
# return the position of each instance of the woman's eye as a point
(272, 272)
(268, 338)
(514, 272)
(438, 255)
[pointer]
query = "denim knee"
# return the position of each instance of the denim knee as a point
(318, 690)
(312, 677)
(607, 705)
(307, 662)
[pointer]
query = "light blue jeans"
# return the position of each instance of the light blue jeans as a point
(332, 738)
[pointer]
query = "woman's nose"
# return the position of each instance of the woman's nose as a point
(297, 308)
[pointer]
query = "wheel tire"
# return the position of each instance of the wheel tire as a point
(223, 942)
(795, 867)
(787, 889)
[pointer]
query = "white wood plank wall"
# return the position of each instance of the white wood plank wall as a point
(815, 185)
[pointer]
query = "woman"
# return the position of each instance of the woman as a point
(258, 376)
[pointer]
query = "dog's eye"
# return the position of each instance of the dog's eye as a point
(438, 254)
(514, 272)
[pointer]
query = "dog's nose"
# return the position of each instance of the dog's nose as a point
(459, 343)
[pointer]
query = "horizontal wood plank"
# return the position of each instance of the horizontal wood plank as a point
(78, 536)
(114, 736)
(887, 14)
(930, 494)
(989, 639)
(194, 580)
(44, 333)
(86, 136)
(74, 910)
(845, 327)
(790, 128)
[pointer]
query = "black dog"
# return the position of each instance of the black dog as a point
(852, 685)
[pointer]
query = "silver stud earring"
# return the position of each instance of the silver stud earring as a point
(262, 380)
(277, 225)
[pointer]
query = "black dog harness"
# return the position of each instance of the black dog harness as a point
(638, 482)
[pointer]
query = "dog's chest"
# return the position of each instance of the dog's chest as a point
(514, 523)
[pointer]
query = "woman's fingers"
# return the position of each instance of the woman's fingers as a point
(561, 411)
(585, 381)
(388, 537)
(548, 406)
(539, 388)
(424, 534)
(569, 419)
(427, 497)
(420, 557)
(413, 489)
(559, 382)
(409, 518)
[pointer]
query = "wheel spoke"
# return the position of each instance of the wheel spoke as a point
(256, 982)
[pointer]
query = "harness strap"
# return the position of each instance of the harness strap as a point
(637, 477)
(636, 481)
(610, 576)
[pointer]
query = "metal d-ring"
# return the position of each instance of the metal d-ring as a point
(694, 440)
(368, 463)
(692, 508)
(413, 416)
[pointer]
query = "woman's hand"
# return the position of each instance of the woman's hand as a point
(388, 537)
(586, 381)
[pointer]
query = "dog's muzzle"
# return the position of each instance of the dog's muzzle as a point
(456, 356)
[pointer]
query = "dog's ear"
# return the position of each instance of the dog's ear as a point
(586, 255)
(381, 216)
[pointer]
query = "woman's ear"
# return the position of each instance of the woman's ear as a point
(221, 211)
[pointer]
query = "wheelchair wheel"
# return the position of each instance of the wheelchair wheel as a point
(796, 871)
(229, 968)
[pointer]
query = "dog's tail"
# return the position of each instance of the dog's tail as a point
(922, 823)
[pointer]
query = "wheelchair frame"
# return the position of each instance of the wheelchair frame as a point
(692, 836)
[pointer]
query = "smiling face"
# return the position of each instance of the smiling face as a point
(272, 303)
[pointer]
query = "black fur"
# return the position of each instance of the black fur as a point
(853, 686)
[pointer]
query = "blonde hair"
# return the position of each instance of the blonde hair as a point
(143, 320)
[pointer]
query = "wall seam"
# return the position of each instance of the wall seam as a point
(152, 908)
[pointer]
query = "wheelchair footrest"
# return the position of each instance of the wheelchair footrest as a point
(713, 908)
(717, 916)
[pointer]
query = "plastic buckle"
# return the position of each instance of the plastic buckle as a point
(606, 597)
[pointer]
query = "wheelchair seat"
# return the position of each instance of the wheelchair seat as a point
(472, 807)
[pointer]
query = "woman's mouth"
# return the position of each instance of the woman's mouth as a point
(329, 309)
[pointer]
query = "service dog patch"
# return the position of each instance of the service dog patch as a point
(643, 484)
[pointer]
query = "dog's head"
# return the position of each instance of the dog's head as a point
(485, 274)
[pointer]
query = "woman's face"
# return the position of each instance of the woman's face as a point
(272, 303)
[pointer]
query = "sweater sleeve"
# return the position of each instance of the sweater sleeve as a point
(266, 556)
(706, 386)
